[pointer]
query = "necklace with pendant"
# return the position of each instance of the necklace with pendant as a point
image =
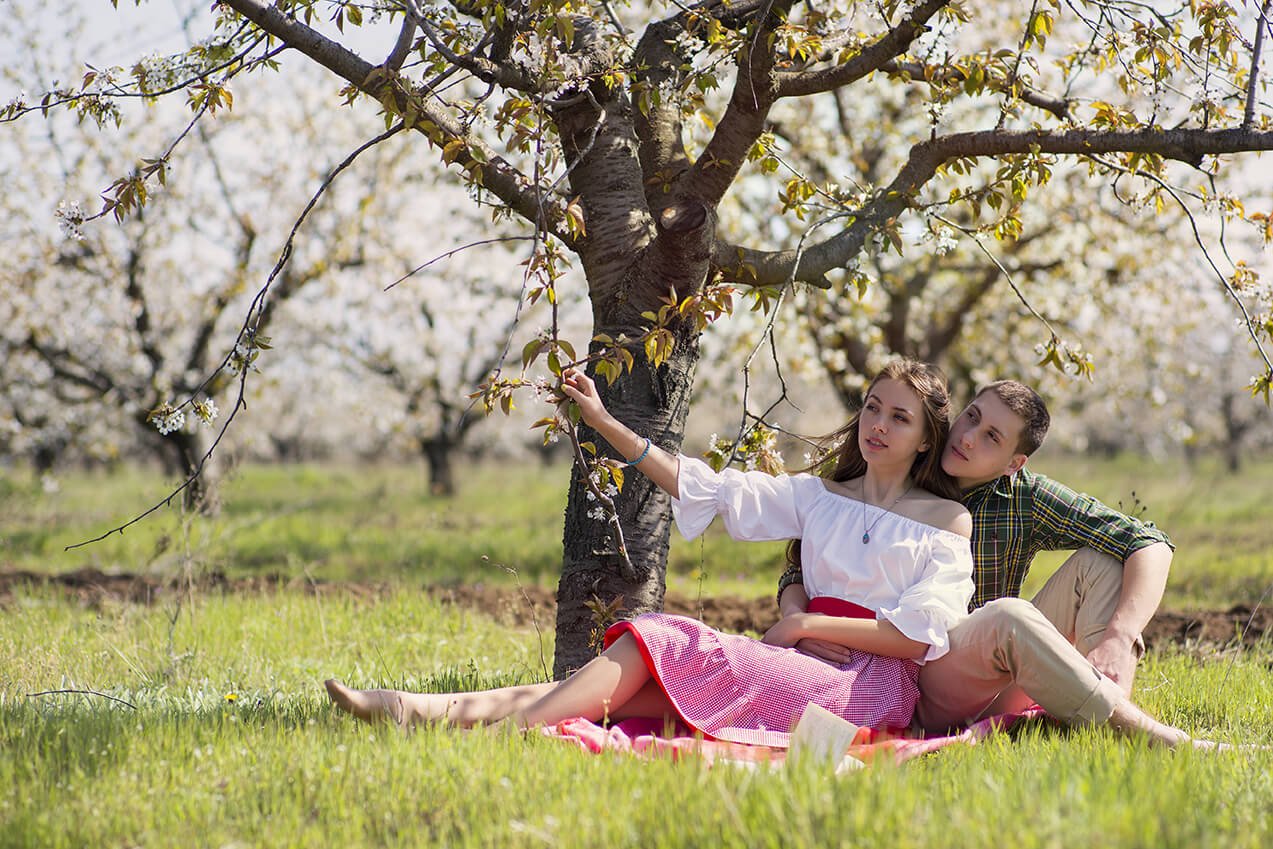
(866, 530)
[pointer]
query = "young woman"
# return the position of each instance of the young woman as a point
(886, 559)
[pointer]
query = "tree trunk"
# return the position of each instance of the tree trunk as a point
(437, 452)
(181, 452)
(1234, 431)
(594, 589)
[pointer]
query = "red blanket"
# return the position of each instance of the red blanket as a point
(650, 737)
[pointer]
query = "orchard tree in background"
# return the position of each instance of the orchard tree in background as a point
(615, 134)
(107, 325)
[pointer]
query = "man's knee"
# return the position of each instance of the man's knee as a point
(1016, 622)
(1010, 614)
(1097, 567)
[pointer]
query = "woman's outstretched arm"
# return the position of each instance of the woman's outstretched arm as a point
(656, 464)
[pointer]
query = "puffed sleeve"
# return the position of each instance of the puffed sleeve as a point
(939, 598)
(755, 506)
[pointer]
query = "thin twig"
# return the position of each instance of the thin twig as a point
(122, 94)
(534, 620)
(1197, 237)
(248, 332)
(626, 569)
(767, 333)
(1241, 637)
(455, 251)
(82, 693)
(1007, 275)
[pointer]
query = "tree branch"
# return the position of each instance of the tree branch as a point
(141, 318)
(754, 94)
(659, 128)
(498, 175)
(406, 36)
(1186, 145)
(871, 58)
(61, 361)
(950, 75)
(479, 66)
(1261, 25)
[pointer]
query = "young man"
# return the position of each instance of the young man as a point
(1010, 653)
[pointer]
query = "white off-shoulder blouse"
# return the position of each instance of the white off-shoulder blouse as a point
(916, 576)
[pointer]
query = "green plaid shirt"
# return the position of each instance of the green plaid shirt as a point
(1017, 516)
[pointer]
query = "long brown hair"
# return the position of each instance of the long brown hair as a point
(841, 455)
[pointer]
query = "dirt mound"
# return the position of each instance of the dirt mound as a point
(533, 605)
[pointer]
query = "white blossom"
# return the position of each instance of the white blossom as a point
(946, 242)
(206, 411)
(70, 218)
(172, 422)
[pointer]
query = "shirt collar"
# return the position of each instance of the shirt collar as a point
(999, 486)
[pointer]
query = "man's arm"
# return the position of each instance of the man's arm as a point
(1144, 580)
(792, 597)
(1079, 521)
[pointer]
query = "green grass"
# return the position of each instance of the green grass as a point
(274, 766)
(377, 523)
(227, 740)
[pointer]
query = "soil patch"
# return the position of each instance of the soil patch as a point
(536, 606)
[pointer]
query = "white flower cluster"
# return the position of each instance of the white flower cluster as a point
(946, 242)
(167, 419)
(242, 358)
(206, 411)
(762, 451)
(70, 218)
(597, 510)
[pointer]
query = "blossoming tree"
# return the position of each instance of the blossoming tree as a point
(617, 132)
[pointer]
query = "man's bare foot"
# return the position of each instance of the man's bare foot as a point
(1130, 719)
(367, 705)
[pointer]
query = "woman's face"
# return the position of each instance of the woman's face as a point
(891, 428)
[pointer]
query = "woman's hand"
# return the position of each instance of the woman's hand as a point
(788, 631)
(825, 651)
(580, 389)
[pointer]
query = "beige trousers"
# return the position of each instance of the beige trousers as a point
(1011, 652)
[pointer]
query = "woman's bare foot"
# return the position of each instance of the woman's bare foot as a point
(367, 705)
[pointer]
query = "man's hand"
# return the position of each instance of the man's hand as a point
(1115, 657)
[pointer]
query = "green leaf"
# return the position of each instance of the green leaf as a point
(531, 351)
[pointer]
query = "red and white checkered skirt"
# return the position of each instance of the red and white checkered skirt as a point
(731, 687)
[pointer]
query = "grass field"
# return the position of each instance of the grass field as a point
(378, 524)
(216, 733)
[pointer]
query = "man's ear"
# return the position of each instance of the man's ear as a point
(1015, 464)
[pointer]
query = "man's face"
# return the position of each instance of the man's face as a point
(983, 442)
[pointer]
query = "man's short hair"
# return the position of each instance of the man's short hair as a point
(1027, 404)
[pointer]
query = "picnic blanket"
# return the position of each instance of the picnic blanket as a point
(649, 737)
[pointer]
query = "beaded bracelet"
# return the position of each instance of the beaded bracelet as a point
(643, 453)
